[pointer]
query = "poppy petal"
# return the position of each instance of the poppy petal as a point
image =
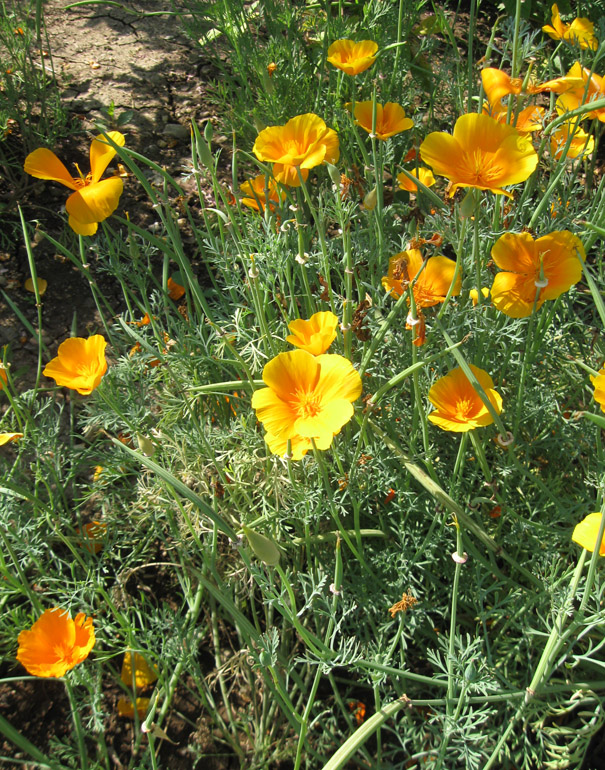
(96, 201)
(44, 164)
(101, 153)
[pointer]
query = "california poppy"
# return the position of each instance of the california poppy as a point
(390, 119)
(258, 192)
(80, 364)
(579, 32)
(481, 153)
(315, 335)
(586, 532)
(581, 143)
(557, 257)
(307, 398)
(302, 143)
(55, 643)
(458, 406)
(6, 438)
(599, 388)
(352, 57)
(144, 674)
(424, 175)
(588, 87)
(93, 199)
(433, 283)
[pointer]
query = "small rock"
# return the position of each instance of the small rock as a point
(176, 131)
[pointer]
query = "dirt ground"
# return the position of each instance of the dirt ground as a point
(104, 58)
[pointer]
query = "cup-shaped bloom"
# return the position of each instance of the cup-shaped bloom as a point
(315, 335)
(307, 397)
(581, 143)
(599, 388)
(352, 57)
(303, 143)
(579, 32)
(93, 199)
(549, 265)
(587, 531)
(423, 174)
(433, 281)
(458, 406)
(55, 643)
(585, 88)
(481, 153)
(390, 119)
(259, 192)
(80, 364)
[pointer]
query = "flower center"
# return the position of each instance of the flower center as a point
(308, 403)
(465, 408)
(481, 167)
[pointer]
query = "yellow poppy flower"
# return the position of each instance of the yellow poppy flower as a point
(425, 175)
(586, 532)
(42, 285)
(144, 674)
(579, 32)
(126, 707)
(304, 142)
(474, 295)
(315, 335)
(55, 643)
(80, 364)
(558, 255)
(390, 119)
(307, 397)
(256, 194)
(587, 88)
(482, 153)
(93, 199)
(599, 388)
(6, 438)
(581, 142)
(352, 57)
(458, 406)
(431, 285)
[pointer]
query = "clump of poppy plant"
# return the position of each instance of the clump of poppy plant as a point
(534, 271)
(351, 57)
(481, 153)
(80, 364)
(315, 335)
(307, 400)
(301, 144)
(458, 406)
(55, 643)
(94, 199)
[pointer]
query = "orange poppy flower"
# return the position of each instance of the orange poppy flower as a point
(581, 142)
(175, 290)
(529, 119)
(352, 57)
(315, 335)
(482, 153)
(307, 397)
(303, 143)
(557, 256)
(255, 193)
(432, 284)
(599, 388)
(423, 174)
(93, 199)
(93, 533)
(579, 32)
(458, 406)
(390, 119)
(588, 88)
(55, 643)
(497, 84)
(80, 364)
(3, 376)
(587, 531)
